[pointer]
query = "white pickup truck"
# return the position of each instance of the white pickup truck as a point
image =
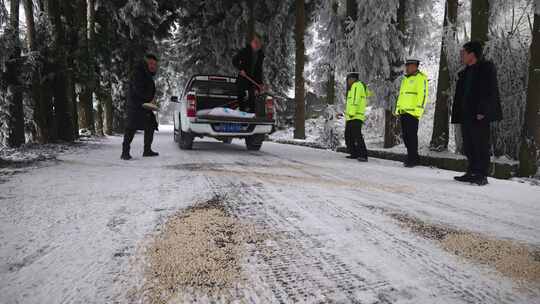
(193, 115)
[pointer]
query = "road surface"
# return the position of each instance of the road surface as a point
(69, 229)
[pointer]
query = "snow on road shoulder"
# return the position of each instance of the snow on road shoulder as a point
(18, 160)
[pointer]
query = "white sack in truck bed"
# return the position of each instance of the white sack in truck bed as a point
(225, 112)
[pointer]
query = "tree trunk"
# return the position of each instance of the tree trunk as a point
(86, 110)
(40, 115)
(15, 120)
(391, 122)
(352, 10)
(441, 130)
(251, 20)
(105, 80)
(331, 84)
(530, 140)
(30, 24)
(62, 108)
(99, 117)
(108, 109)
(480, 20)
(71, 94)
(47, 129)
(299, 92)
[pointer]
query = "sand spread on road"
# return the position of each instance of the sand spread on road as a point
(199, 250)
(515, 260)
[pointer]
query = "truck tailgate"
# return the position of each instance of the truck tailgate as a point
(217, 119)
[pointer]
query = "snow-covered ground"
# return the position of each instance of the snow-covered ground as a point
(373, 137)
(69, 231)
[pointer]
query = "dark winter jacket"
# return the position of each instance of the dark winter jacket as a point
(142, 89)
(244, 60)
(477, 92)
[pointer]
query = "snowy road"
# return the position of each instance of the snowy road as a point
(69, 228)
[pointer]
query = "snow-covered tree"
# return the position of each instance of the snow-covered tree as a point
(327, 34)
(381, 40)
(508, 48)
(11, 109)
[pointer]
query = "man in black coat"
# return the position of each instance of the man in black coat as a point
(142, 89)
(249, 62)
(476, 105)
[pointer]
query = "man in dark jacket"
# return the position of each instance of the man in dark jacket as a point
(476, 105)
(249, 62)
(142, 89)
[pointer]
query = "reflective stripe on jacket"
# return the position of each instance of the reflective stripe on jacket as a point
(413, 95)
(356, 102)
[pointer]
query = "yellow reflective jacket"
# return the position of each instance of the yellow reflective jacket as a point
(413, 95)
(356, 102)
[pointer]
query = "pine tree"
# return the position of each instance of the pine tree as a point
(63, 101)
(326, 28)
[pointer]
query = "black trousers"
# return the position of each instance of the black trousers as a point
(247, 103)
(356, 146)
(409, 131)
(129, 134)
(476, 145)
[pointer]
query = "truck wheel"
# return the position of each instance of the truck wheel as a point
(254, 143)
(185, 141)
(227, 141)
(175, 136)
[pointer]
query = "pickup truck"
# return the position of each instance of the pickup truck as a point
(206, 92)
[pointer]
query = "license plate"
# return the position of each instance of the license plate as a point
(231, 128)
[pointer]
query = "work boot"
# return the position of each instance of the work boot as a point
(479, 180)
(410, 164)
(125, 152)
(150, 153)
(362, 159)
(467, 177)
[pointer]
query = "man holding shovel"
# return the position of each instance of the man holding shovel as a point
(140, 104)
(249, 62)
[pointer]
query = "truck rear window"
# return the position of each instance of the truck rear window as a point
(201, 87)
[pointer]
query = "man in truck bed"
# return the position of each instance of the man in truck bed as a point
(249, 62)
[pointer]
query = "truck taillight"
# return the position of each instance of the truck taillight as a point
(191, 105)
(269, 105)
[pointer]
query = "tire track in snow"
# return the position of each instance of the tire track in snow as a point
(296, 266)
(413, 197)
(450, 280)
(303, 259)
